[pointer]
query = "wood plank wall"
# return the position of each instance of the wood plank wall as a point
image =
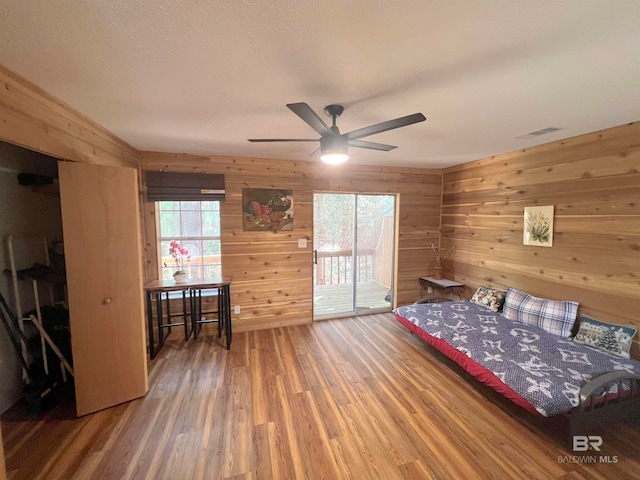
(593, 181)
(272, 277)
(34, 119)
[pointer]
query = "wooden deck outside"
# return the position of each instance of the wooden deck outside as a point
(336, 298)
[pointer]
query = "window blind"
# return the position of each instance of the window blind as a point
(167, 186)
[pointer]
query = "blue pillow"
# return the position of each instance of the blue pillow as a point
(608, 337)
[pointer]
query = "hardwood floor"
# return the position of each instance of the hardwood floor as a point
(356, 398)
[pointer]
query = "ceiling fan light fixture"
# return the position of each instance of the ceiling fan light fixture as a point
(334, 149)
(334, 146)
(334, 158)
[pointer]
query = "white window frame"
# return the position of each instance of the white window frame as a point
(162, 270)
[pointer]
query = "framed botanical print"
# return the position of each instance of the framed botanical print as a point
(538, 226)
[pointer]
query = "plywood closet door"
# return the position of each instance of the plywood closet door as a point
(100, 220)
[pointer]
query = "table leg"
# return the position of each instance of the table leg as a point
(159, 319)
(196, 301)
(198, 316)
(168, 300)
(227, 309)
(193, 305)
(152, 349)
(457, 290)
(187, 331)
(220, 313)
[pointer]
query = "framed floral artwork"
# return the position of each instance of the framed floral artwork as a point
(266, 209)
(538, 226)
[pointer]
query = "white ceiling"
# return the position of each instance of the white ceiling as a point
(201, 77)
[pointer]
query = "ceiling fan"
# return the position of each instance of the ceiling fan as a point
(334, 146)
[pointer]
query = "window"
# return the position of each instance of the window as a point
(196, 226)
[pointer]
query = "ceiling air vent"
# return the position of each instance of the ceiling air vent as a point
(537, 133)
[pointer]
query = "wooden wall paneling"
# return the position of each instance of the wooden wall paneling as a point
(259, 318)
(603, 166)
(272, 277)
(419, 227)
(592, 180)
(604, 142)
(268, 264)
(268, 267)
(576, 270)
(409, 271)
(150, 246)
(615, 307)
(277, 243)
(287, 292)
(34, 119)
(585, 196)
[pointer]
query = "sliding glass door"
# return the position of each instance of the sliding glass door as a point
(354, 242)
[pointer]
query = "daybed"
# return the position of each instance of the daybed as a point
(542, 372)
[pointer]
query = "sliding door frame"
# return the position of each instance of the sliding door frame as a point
(354, 251)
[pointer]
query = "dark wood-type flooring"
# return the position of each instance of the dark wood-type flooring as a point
(357, 398)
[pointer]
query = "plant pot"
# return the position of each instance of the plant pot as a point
(180, 277)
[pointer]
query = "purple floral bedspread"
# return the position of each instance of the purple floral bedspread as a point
(542, 368)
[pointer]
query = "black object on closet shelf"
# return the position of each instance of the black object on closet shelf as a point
(34, 180)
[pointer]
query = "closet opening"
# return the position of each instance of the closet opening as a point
(33, 282)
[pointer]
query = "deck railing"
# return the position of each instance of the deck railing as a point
(337, 267)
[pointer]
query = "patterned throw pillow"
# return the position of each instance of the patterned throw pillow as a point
(489, 297)
(608, 337)
(552, 316)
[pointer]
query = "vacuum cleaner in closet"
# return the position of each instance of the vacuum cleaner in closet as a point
(42, 389)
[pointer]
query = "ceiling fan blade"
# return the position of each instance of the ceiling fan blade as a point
(305, 112)
(388, 125)
(282, 139)
(371, 145)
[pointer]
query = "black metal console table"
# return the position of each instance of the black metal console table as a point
(160, 290)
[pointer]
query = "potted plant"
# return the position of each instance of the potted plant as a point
(180, 255)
